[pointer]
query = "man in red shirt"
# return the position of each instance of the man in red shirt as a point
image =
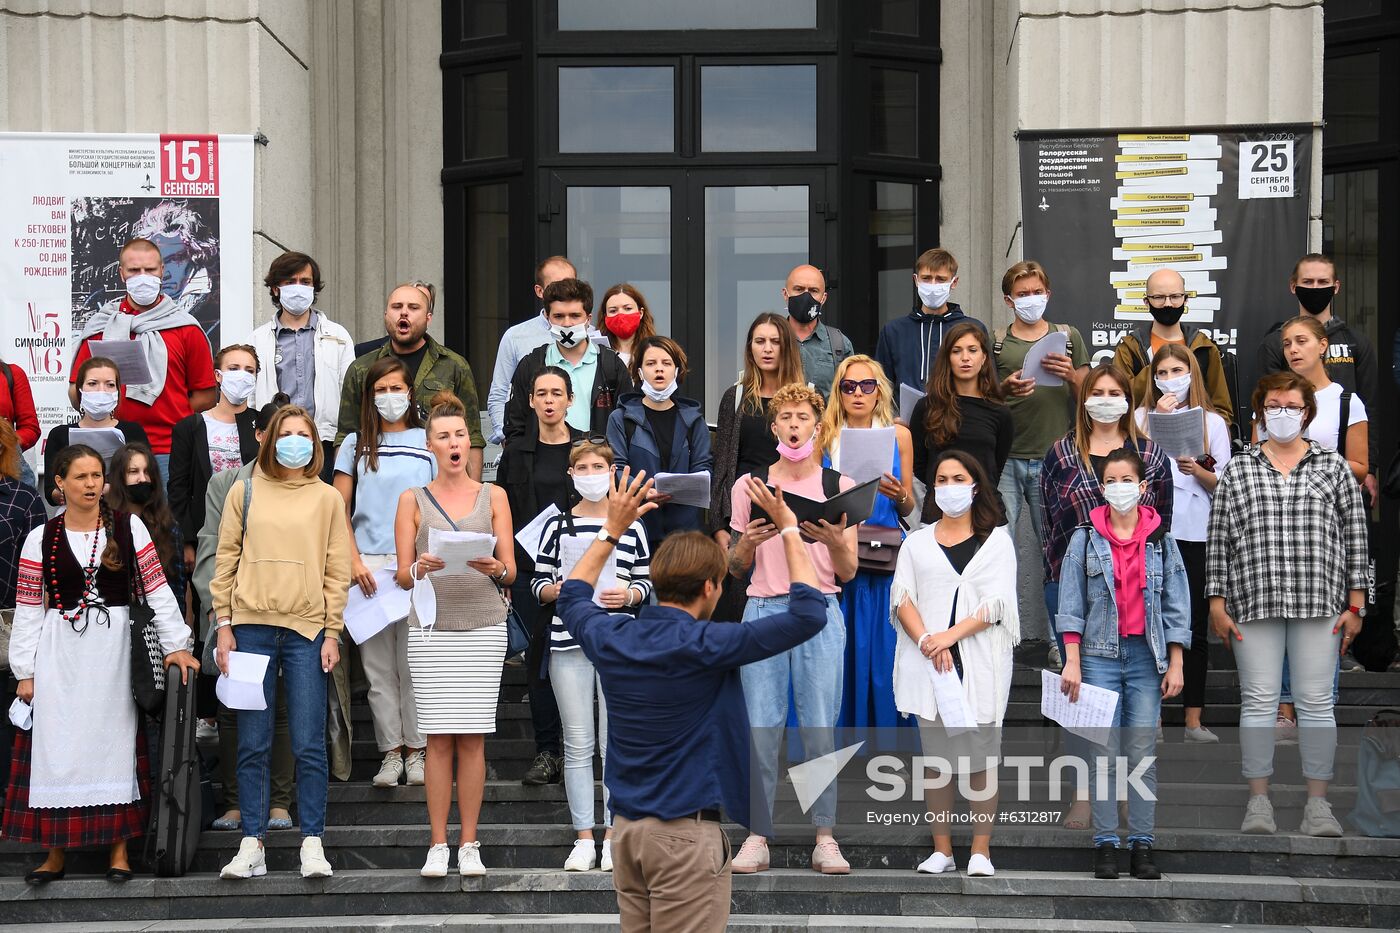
(176, 351)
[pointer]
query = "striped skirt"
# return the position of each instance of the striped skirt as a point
(457, 679)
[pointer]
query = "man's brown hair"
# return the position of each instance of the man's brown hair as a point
(288, 265)
(1023, 270)
(935, 259)
(569, 290)
(683, 563)
(1313, 257)
(552, 261)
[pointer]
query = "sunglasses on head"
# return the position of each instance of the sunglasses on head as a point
(866, 386)
(593, 440)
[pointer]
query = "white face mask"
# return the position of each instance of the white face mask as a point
(1283, 427)
(296, 298)
(568, 337)
(1031, 308)
(593, 487)
(143, 289)
(1123, 497)
(237, 385)
(954, 500)
(98, 405)
(934, 294)
(391, 405)
(1106, 409)
(1177, 385)
(659, 395)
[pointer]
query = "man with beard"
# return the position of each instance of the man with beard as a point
(431, 367)
(1165, 298)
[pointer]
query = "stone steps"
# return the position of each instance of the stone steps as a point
(588, 923)
(773, 896)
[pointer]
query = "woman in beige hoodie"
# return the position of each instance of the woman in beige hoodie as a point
(282, 574)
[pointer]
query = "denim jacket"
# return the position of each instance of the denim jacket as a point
(1088, 606)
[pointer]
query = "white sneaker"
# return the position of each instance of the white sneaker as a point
(469, 860)
(390, 770)
(436, 865)
(250, 862)
(979, 866)
(1259, 817)
(1285, 731)
(752, 856)
(582, 857)
(206, 731)
(937, 864)
(1201, 736)
(313, 859)
(605, 863)
(1052, 656)
(413, 767)
(1318, 819)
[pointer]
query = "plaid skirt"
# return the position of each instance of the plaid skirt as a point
(71, 827)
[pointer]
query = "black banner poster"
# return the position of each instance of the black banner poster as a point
(1227, 208)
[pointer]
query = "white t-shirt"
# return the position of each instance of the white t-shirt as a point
(1329, 413)
(225, 451)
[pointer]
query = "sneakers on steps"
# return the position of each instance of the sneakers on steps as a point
(390, 770)
(1201, 736)
(1052, 656)
(582, 856)
(1285, 731)
(937, 864)
(547, 768)
(250, 862)
(436, 865)
(1318, 819)
(1259, 817)
(469, 860)
(752, 857)
(827, 858)
(605, 863)
(413, 767)
(313, 859)
(979, 866)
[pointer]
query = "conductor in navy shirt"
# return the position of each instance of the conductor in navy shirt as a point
(678, 731)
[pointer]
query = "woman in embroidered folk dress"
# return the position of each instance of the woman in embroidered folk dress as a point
(82, 776)
(455, 648)
(953, 604)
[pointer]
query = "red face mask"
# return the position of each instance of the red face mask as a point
(624, 325)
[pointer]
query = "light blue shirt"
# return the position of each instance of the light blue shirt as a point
(404, 462)
(517, 342)
(582, 374)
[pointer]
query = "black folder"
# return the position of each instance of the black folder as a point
(856, 503)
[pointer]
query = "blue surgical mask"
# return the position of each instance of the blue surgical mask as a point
(294, 451)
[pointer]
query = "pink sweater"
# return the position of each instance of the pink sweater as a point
(1129, 569)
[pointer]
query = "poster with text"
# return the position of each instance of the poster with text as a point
(1227, 208)
(68, 201)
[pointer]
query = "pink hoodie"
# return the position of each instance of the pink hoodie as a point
(1129, 568)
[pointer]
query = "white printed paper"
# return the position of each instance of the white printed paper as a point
(571, 551)
(242, 686)
(103, 440)
(1094, 711)
(866, 453)
(456, 548)
(1034, 366)
(22, 715)
(367, 616)
(130, 360)
(531, 537)
(948, 694)
(1179, 433)
(1266, 169)
(686, 488)
(908, 398)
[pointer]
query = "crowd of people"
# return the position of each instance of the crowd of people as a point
(247, 491)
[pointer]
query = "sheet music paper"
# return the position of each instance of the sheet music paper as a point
(242, 686)
(1093, 712)
(455, 548)
(571, 551)
(1034, 365)
(686, 488)
(130, 360)
(866, 453)
(1179, 433)
(531, 537)
(908, 398)
(367, 616)
(948, 694)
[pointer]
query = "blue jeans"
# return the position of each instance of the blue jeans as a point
(163, 461)
(1020, 483)
(1286, 689)
(1133, 676)
(575, 685)
(304, 684)
(813, 672)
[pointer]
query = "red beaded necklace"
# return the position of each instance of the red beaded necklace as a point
(86, 601)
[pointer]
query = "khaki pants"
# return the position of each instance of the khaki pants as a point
(384, 657)
(671, 876)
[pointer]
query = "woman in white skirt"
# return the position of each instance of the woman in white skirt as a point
(953, 605)
(457, 631)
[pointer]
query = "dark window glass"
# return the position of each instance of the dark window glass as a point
(894, 109)
(482, 19)
(485, 129)
(900, 17)
(609, 109)
(624, 235)
(890, 248)
(758, 108)
(1351, 99)
(488, 293)
(1336, 11)
(687, 14)
(1351, 235)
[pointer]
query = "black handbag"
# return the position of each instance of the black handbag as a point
(147, 659)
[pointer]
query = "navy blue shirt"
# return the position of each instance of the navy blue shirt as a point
(678, 730)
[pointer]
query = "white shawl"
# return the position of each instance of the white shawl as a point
(987, 588)
(145, 327)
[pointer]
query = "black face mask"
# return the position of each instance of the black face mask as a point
(804, 307)
(140, 493)
(1167, 316)
(1315, 300)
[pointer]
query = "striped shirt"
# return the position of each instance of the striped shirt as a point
(1286, 547)
(404, 463)
(633, 566)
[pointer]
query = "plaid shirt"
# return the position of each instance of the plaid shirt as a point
(1069, 491)
(1286, 547)
(20, 513)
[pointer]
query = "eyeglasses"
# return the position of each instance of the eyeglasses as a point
(1277, 410)
(866, 386)
(594, 440)
(1161, 301)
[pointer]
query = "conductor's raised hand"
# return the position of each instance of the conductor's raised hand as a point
(771, 501)
(627, 501)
